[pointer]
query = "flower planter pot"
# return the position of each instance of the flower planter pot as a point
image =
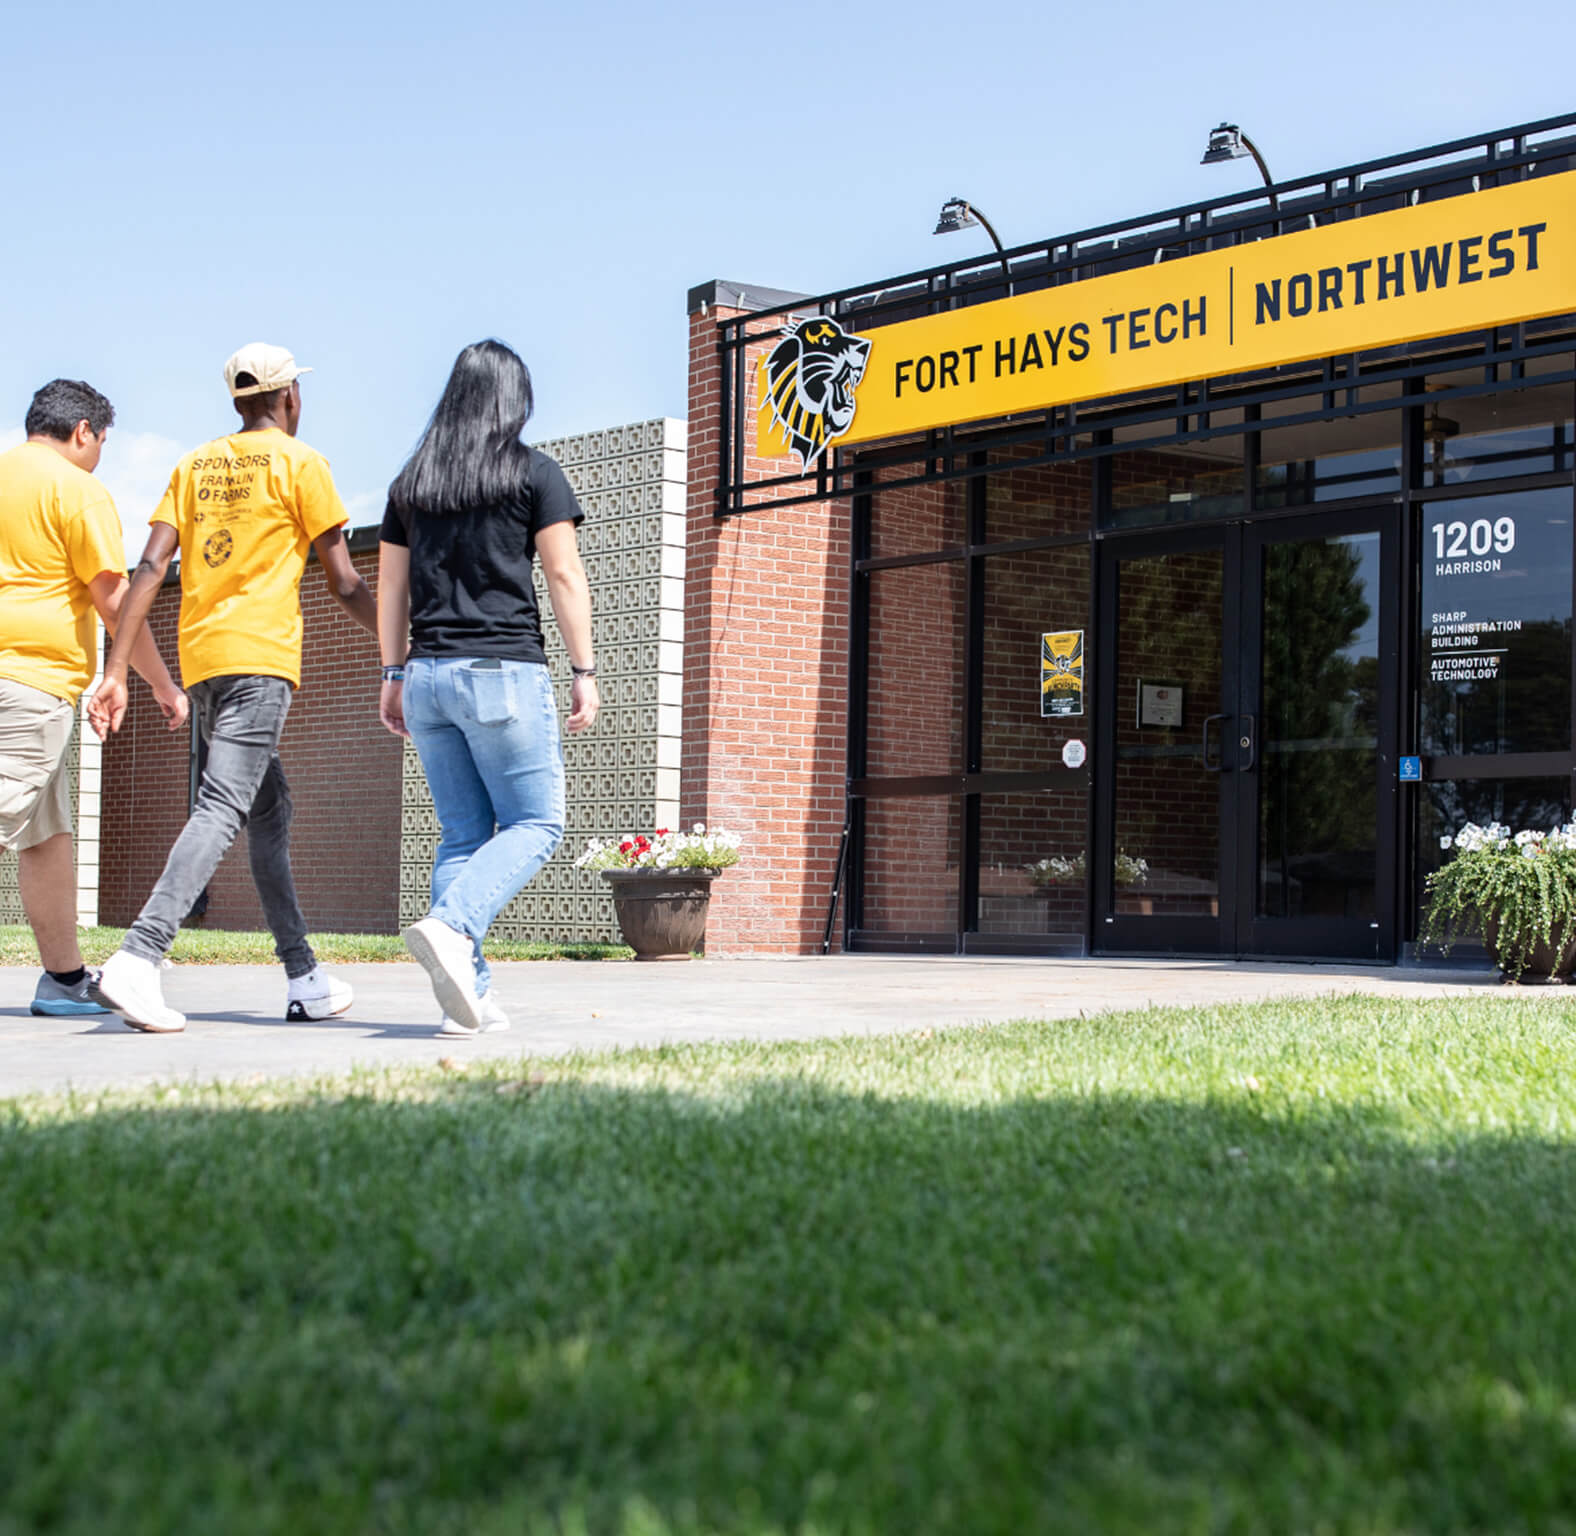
(1544, 963)
(662, 912)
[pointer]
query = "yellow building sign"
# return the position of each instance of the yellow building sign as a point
(1460, 264)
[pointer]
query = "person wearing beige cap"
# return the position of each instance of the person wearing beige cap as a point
(244, 510)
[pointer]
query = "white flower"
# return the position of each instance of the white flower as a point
(663, 850)
(1445, 841)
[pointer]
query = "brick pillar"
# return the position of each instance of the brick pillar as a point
(765, 680)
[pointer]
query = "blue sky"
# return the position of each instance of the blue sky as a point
(375, 186)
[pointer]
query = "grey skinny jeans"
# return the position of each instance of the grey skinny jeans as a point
(243, 785)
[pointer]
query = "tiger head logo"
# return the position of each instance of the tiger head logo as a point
(807, 386)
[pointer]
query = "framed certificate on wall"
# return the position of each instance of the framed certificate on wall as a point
(1159, 704)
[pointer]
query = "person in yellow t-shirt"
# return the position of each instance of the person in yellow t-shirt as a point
(62, 559)
(244, 510)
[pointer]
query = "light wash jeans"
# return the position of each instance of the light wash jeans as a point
(487, 734)
(243, 785)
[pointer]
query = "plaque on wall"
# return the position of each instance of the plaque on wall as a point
(1061, 673)
(1159, 705)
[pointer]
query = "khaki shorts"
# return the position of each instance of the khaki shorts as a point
(35, 790)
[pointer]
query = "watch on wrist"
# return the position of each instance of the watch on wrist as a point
(393, 674)
(583, 671)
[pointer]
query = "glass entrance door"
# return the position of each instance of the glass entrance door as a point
(1247, 781)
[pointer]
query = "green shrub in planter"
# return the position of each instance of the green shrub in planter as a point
(1518, 890)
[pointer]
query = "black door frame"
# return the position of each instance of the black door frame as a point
(1115, 933)
(1235, 931)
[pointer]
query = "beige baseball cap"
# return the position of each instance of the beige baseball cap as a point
(272, 367)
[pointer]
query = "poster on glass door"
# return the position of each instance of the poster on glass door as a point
(1061, 673)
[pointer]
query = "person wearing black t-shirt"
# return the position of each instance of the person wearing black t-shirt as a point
(464, 673)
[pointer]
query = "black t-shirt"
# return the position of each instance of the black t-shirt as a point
(470, 572)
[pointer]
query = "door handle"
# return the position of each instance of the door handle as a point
(1249, 742)
(1218, 765)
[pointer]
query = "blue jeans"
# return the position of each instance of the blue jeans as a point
(487, 735)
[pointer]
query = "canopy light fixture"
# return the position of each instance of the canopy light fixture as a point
(1229, 142)
(959, 213)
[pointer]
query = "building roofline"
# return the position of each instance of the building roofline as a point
(732, 295)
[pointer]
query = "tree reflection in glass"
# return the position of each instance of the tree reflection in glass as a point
(1319, 729)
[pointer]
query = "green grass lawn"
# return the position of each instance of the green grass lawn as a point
(1303, 1267)
(221, 946)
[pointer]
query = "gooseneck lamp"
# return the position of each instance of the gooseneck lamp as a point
(1229, 142)
(958, 213)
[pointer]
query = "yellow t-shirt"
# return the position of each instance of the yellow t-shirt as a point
(58, 530)
(246, 508)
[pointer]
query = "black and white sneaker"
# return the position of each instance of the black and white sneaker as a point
(317, 995)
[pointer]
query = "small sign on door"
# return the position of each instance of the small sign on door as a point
(1159, 704)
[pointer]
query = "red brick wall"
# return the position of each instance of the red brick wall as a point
(765, 687)
(144, 787)
(344, 772)
(911, 865)
(914, 713)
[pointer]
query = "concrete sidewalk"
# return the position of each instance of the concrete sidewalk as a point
(236, 1029)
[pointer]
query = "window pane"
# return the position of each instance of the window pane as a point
(1329, 460)
(1176, 485)
(1496, 611)
(1038, 503)
(1028, 596)
(1319, 729)
(915, 712)
(917, 519)
(1167, 800)
(1031, 874)
(911, 865)
(1485, 437)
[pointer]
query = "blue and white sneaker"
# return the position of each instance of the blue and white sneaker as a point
(54, 1000)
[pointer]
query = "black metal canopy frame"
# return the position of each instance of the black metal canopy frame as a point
(1182, 413)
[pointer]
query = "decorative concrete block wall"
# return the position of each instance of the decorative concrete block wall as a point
(623, 774)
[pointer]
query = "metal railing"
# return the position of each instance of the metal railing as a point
(1453, 169)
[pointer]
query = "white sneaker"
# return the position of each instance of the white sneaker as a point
(317, 995)
(130, 985)
(447, 957)
(494, 1020)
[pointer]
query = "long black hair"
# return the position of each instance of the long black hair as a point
(471, 454)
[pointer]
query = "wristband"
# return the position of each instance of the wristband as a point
(583, 671)
(393, 674)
